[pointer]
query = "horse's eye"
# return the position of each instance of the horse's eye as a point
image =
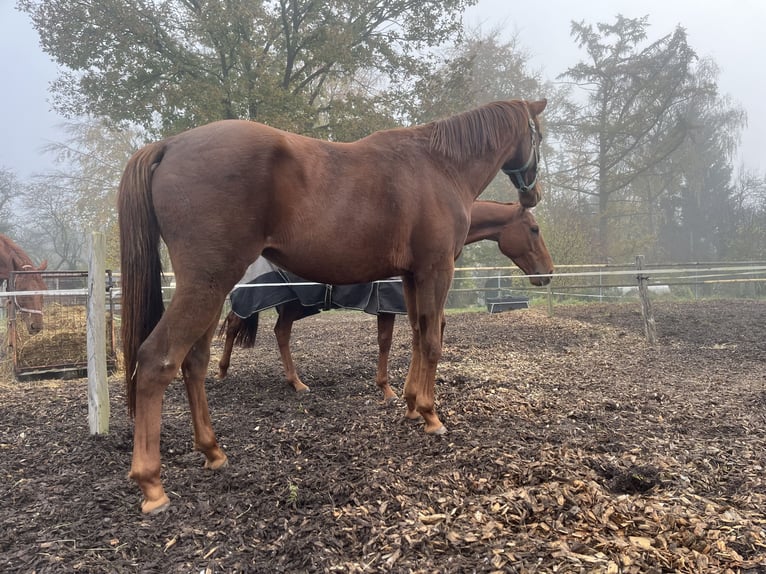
(536, 230)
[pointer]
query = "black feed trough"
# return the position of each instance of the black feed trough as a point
(500, 304)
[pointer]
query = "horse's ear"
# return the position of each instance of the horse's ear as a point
(536, 108)
(43, 265)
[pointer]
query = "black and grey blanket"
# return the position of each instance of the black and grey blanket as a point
(265, 285)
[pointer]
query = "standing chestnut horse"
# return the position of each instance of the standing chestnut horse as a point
(13, 259)
(509, 224)
(396, 203)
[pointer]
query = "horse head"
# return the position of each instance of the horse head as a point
(522, 242)
(522, 167)
(30, 307)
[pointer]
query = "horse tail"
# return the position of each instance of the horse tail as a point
(247, 332)
(225, 325)
(140, 262)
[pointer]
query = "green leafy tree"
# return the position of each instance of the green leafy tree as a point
(697, 181)
(167, 65)
(482, 68)
(677, 209)
(635, 113)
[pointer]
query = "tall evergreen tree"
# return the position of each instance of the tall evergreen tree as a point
(634, 114)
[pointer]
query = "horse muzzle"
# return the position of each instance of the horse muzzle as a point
(541, 279)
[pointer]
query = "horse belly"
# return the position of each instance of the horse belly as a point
(338, 261)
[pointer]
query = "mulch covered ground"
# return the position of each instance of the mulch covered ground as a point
(572, 447)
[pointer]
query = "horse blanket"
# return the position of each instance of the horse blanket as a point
(272, 286)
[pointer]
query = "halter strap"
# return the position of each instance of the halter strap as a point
(518, 174)
(20, 307)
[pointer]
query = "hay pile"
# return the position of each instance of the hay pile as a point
(62, 343)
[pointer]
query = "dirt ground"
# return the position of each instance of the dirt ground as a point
(572, 447)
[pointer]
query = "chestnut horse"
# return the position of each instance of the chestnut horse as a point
(13, 259)
(509, 224)
(395, 203)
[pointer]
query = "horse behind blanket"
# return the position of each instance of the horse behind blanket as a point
(273, 286)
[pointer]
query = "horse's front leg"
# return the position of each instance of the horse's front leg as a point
(385, 337)
(232, 326)
(427, 320)
(194, 369)
(415, 357)
(288, 314)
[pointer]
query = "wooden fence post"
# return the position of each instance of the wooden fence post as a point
(646, 305)
(98, 384)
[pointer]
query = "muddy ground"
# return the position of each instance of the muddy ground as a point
(572, 447)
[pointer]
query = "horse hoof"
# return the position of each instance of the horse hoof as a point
(440, 430)
(217, 464)
(408, 418)
(155, 506)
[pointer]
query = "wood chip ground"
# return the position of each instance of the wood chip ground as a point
(572, 447)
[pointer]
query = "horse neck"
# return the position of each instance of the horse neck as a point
(475, 144)
(12, 258)
(488, 219)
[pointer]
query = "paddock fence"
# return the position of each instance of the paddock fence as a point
(604, 283)
(61, 348)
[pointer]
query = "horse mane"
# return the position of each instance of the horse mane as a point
(475, 132)
(18, 256)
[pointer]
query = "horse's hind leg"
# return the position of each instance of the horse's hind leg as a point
(154, 372)
(194, 369)
(288, 313)
(385, 337)
(158, 361)
(232, 326)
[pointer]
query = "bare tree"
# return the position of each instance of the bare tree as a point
(9, 189)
